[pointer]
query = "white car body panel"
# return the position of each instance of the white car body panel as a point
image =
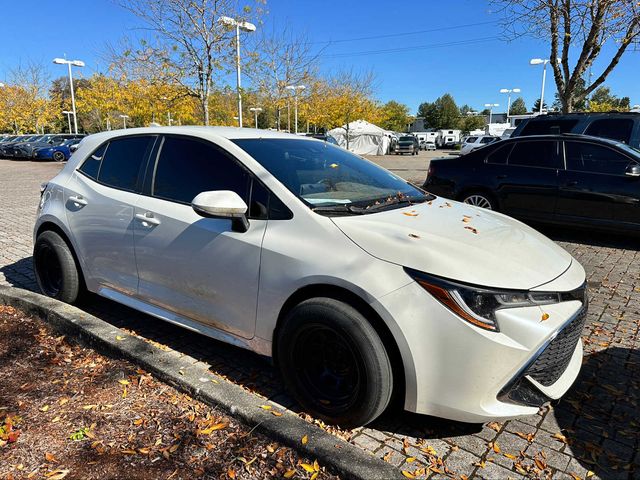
(198, 273)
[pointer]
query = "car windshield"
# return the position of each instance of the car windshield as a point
(406, 139)
(322, 174)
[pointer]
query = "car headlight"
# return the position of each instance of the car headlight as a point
(478, 305)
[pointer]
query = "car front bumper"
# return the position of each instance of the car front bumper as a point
(458, 371)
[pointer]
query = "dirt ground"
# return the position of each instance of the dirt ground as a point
(68, 412)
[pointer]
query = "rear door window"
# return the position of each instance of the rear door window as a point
(471, 140)
(541, 154)
(614, 128)
(499, 156)
(121, 166)
(589, 157)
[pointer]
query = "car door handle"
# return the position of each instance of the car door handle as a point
(147, 219)
(78, 199)
(571, 184)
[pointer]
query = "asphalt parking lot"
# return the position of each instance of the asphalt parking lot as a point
(412, 167)
(593, 432)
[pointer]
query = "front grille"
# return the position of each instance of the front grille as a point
(554, 360)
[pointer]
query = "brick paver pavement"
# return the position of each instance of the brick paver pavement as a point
(594, 428)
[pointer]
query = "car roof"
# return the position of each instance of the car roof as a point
(562, 136)
(230, 133)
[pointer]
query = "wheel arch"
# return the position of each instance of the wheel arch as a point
(373, 317)
(54, 227)
(479, 189)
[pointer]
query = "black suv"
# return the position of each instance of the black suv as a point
(567, 179)
(622, 127)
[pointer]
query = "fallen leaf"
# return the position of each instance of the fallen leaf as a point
(509, 456)
(307, 467)
(231, 473)
(410, 459)
(44, 409)
(118, 337)
(265, 407)
(471, 229)
(316, 466)
(213, 428)
(408, 474)
(545, 316)
(50, 458)
(412, 213)
(58, 474)
(560, 437)
(413, 235)
(123, 382)
(305, 439)
(289, 473)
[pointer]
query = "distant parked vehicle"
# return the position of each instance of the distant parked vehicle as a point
(26, 150)
(564, 179)
(448, 138)
(59, 153)
(407, 144)
(622, 127)
(9, 149)
(472, 143)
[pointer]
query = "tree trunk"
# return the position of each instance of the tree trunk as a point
(204, 100)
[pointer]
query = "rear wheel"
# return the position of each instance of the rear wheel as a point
(480, 199)
(334, 363)
(59, 156)
(55, 268)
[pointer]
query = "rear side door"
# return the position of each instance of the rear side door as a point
(198, 267)
(528, 186)
(99, 202)
(594, 187)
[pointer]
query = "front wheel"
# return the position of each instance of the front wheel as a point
(334, 363)
(55, 268)
(59, 156)
(480, 199)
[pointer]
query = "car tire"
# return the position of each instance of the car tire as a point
(334, 363)
(56, 271)
(480, 199)
(59, 156)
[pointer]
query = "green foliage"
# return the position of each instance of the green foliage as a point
(471, 122)
(443, 113)
(602, 100)
(518, 107)
(394, 116)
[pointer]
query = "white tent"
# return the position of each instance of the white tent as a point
(364, 138)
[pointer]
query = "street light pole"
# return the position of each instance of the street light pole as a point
(509, 91)
(75, 63)
(255, 111)
(295, 89)
(124, 120)
(68, 114)
(246, 27)
(544, 62)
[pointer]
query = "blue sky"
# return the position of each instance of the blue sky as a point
(461, 53)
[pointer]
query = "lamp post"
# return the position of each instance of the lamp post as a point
(255, 111)
(68, 114)
(68, 63)
(245, 27)
(490, 107)
(509, 91)
(295, 89)
(124, 120)
(542, 61)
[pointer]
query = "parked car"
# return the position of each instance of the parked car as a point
(472, 143)
(9, 149)
(427, 145)
(407, 144)
(357, 283)
(622, 127)
(59, 153)
(566, 179)
(26, 150)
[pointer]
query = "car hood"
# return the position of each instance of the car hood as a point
(459, 242)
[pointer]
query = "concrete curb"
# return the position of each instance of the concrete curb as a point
(189, 376)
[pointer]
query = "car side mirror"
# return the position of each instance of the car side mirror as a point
(633, 170)
(222, 204)
(73, 148)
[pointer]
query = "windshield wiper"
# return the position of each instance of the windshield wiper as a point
(393, 201)
(340, 209)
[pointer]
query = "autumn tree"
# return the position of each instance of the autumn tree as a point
(281, 59)
(394, 116)
(575, 26)
(603, 100)
(518, 107)
(188, 44)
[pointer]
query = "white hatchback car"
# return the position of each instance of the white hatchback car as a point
(358, 284)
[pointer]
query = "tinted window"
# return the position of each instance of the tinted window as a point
(500, 155)
(588, 157)
(91, 165)
(471, 139)
(535, 154)
(486, 140)
(616, 129)
(121, 163)
(187, 167)
(545, 127)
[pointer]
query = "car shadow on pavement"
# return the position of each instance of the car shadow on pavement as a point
(20, 274)
(589, 237)
(599, 415)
